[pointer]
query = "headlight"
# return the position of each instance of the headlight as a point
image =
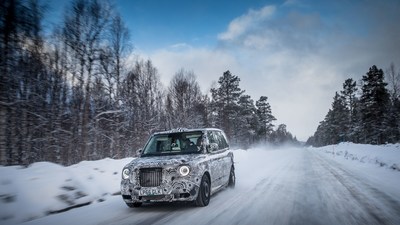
(125, 174)
(184, 170)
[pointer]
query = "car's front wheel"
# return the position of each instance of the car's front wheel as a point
(203, 198)
(134, 204)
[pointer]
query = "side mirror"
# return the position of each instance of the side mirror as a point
(139, 152)
(213, 147)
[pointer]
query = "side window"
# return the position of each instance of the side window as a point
(211, 137)
(217, 138)
(221, 140)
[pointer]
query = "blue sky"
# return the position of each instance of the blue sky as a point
(156, 24)
(296, 52)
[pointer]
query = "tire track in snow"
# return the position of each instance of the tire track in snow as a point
(366, 199)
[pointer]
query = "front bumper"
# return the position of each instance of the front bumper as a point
(171, 187)
(181, 190)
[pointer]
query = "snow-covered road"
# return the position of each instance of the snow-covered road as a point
(288, 186)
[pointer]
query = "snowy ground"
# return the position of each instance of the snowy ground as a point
(387, 156)
(45, 188)
(341, 184)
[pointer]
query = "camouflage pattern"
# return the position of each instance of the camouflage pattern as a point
(174, 186)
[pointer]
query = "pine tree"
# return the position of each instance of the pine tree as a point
(282, 136)
(393, 129)
(393, 78)
(339, 120)
(320, 137)
(244, 130)
(349, 94)
(335, 127)
(225, 101)
(375, 105)
(265, 118)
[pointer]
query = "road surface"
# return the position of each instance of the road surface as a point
(289, 186)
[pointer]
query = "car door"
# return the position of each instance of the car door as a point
(217, 159)
(225, 158)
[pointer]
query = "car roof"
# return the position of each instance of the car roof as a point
(184, 130)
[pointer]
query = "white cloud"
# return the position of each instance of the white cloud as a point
(245, 22)
(290, 2)
(297, 59)
(256, 41)
(207, 64)
(179, 46)
(299, 88)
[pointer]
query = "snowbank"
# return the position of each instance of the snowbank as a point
(387, 156)
(45, 188)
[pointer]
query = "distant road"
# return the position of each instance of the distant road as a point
(289, 186)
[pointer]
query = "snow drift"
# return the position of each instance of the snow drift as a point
(45, 188)
(387, 156)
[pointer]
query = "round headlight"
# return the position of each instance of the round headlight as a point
(125, 174)
(184, 170)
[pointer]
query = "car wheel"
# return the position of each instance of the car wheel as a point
(203, 198)
(134, 204)
(232, 178)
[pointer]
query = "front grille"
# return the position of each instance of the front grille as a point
(150, 177)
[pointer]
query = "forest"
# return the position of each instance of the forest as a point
(366, 112)
(71, 93)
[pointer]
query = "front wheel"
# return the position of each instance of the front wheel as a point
(203, 198)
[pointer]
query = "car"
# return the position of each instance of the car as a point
(179, 165)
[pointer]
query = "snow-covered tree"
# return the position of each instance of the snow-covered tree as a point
(24, 81)
(265, 118)
(75, 98)
(142, 100)
(393, 78)
(244, 129)
(225, 99)
(339, 119)
(282, 136)
(334, 128)
(373, 118)
(350, 99)
(375, 105)
(183, 101)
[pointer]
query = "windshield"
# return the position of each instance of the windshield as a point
(174, 143)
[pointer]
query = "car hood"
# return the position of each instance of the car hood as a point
(161, 161)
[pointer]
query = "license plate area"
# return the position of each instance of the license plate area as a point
(150, 191)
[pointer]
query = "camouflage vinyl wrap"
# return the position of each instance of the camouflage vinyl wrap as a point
(174, 187)
(161, 179)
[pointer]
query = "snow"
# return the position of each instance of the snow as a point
(381, 155)
(43, 187)
(274, 186)
(378, 164)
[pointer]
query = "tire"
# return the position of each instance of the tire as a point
(232, 178)
(134, 204)
(203, 198)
